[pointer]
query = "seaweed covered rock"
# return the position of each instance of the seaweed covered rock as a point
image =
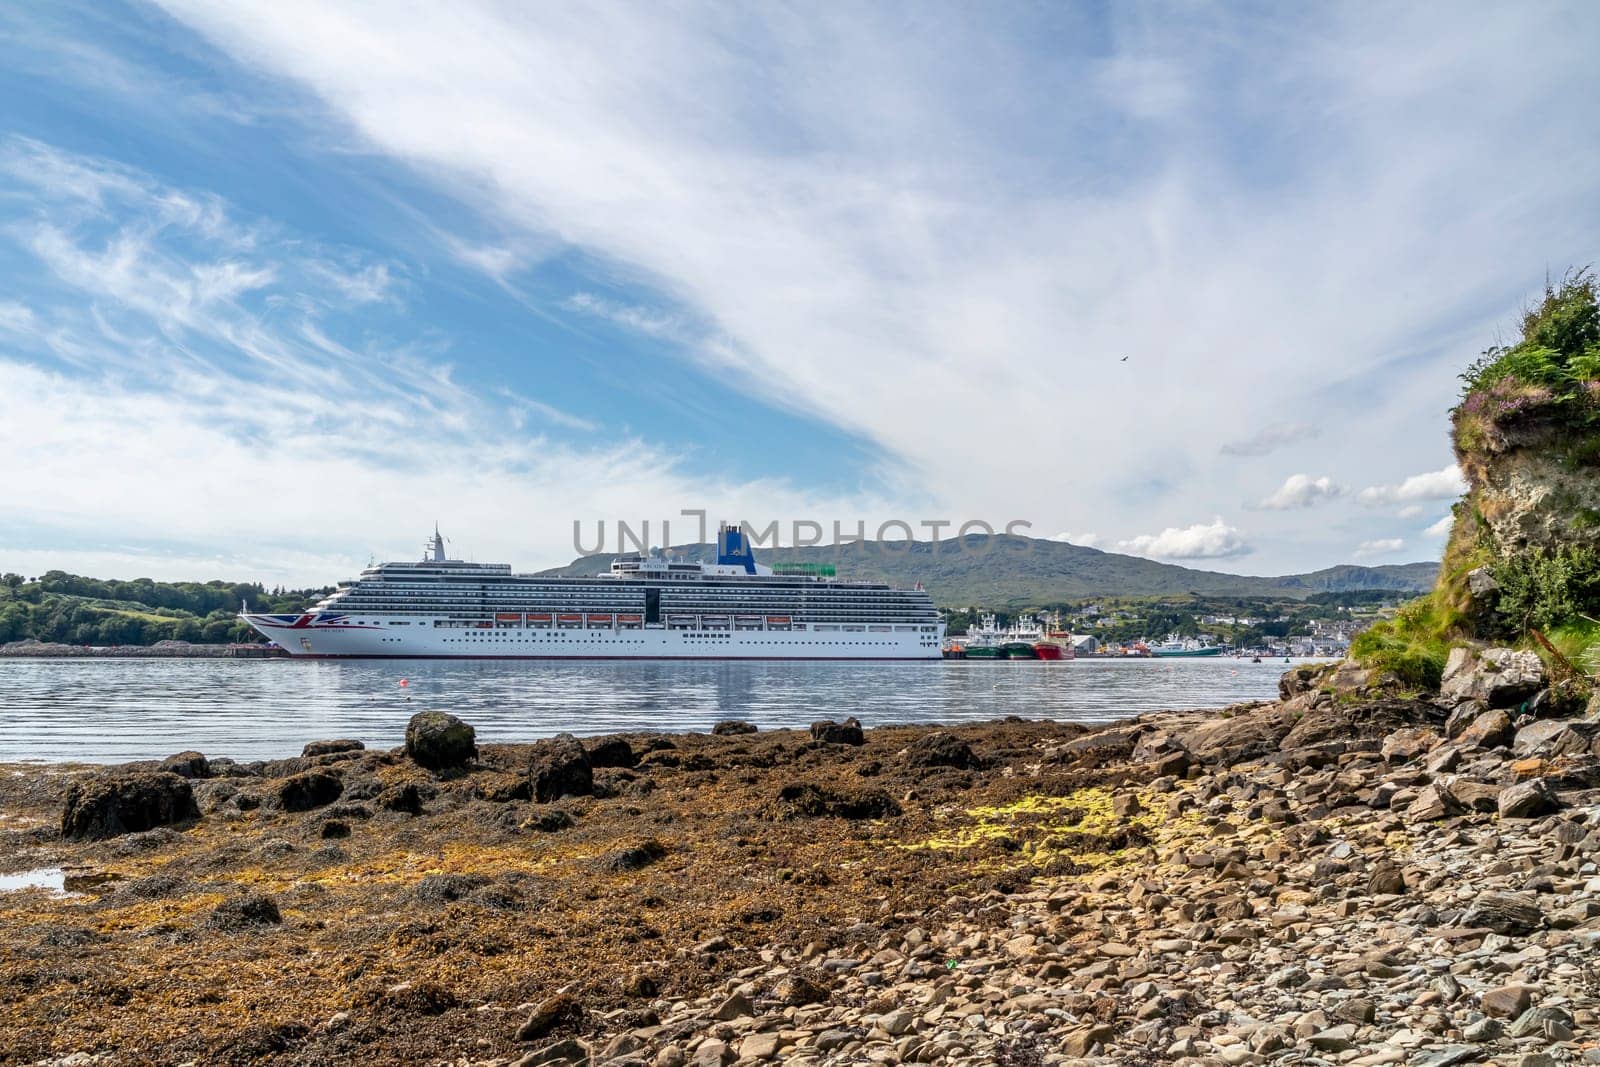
(807, 800)
(838, 733)
(115, 803)
(244, 912)
(440, 741)
(942, 749)
(310, 789)
(406, 799)
(733, 727)
(187, 765)
(332, 747)
(634, 857)
(559, 767)
(612, 752)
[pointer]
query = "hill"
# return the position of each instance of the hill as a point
(1003, 571)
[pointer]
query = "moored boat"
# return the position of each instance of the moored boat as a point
(647, 606)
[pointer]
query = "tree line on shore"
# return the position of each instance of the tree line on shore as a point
(72, 609)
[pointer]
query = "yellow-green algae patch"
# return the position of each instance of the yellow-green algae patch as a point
(1060, 827)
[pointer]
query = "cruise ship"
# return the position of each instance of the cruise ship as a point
(647, 607)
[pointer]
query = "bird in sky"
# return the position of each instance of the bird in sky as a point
(1124, 359)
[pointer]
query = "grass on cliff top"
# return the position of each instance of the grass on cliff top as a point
(1551, 374)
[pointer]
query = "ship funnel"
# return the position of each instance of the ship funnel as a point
(733, 549)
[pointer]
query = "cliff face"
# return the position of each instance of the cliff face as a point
(1525, 549)
(1522, 566)
(1536, 496)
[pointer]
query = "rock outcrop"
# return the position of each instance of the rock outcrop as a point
(560, 767)
(439, 741)
(1498, 677)
(114, 803)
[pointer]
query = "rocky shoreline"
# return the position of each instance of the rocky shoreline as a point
(31, 649)
(1339, 877)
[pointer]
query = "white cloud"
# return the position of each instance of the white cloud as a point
(640, 319)
(15, 316)
(1270, 439)
(1411, 511)
(1440, 528)
(876, 224)
(1379, 547)
(1213, 540)
(1085, 540)
(1444, 484)
(199, 391)
(1301, 491)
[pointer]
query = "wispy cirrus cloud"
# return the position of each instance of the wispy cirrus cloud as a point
(185, 378)
(866, 215)
(1270, 439)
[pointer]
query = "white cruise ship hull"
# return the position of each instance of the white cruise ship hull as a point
(413, 638)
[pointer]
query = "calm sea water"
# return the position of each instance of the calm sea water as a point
(107, 711)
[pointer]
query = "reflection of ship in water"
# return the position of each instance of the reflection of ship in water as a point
(1026, 638)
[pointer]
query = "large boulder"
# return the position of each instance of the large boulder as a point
(1529, 799)
(1236, 738)
(1435, 801)
(1408, 743)
(1491, 729)
(1300, 680)
(1500, 677)
(439, 741)
(107, 805)
(559, 767)
(310, 789)
(1552, 737)
(612, 752)
(838, 733)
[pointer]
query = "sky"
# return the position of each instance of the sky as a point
(282, 284)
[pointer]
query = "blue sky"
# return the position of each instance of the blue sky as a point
(282, 283)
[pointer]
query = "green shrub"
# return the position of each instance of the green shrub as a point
(1546, 590)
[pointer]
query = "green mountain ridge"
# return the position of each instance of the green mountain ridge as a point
(1003, 571)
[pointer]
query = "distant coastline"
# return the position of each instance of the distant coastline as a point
(31, 649)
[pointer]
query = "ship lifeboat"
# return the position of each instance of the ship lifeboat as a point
(539, 620)
(630, 622)
(715, 622)
(508, 618)
(600, 621)
(571, 621)
(777, 620)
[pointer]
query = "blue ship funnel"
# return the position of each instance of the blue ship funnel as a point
(733, 549)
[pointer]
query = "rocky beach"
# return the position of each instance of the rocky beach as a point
(1344, 876)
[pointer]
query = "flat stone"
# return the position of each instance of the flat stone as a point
(1507, 1001)
(759, 1047)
